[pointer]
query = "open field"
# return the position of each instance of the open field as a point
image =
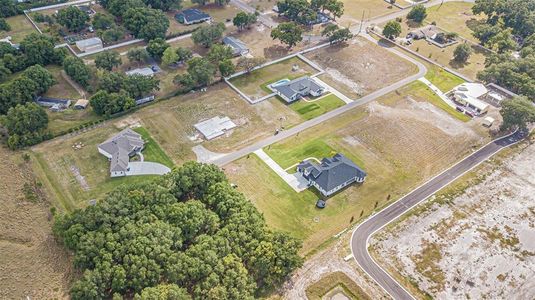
(353, 10)
(360, 68)
(71, 118)
(62, 88)
(474, 239)
(333, 283)
(309, 109)
(20, 27)
(32, 265)
(455, 17)
(400, 141)
(72, 177)
(442, 79)
(254, 84)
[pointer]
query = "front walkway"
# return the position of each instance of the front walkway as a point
(438, 92)
(295, 180)
(146, 168)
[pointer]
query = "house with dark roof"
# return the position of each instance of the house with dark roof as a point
(293, 90)
(332, 174)
(192, 16)
(119, 148)
(238, 47)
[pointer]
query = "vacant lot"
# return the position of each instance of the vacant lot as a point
(354, 9)
(32, 264)
(333, 283)
(361, 67)
(474, 240)
(254, 84)
(399, 141)
(20, 27)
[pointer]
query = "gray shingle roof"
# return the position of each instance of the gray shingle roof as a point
(192, 15)
(302, 86)
(120, 147)
(332, 172)
(237, 46)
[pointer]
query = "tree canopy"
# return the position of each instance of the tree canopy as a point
(288, 33)
(244, 20)
(136, 85)
(462, 53)
(73, 18)
(418, 13)
(392, 29)
(188, 234)
(157, 47)
(108, 60)
(107, 104)
(146, 23)
(77, 70)
(517, 113)
(26, 125)
(207, 35)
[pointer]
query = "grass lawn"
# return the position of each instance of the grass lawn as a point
(339, 281)
(70, 118)
(152, 151)
(254, 84)
(287, 156)
(62, 88)
(20, 27)
(455, 17)
(353, 10)
(310, 110)
(442, 79)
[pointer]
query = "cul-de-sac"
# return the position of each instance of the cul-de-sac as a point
(267, 149)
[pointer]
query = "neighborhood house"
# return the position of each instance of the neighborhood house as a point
(54, 104)
(238, 47)
(119, 148)
(89, 45)
(192, 16)
(141, 71)
(470, 96)
(293, 90)
(332, 174)
(214, 127)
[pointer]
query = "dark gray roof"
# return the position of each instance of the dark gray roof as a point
(332, 172)
(302, 86)
(192, 15)
(120, 147)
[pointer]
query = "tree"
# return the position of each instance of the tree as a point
(146, 23)
(219, 53)
(6, 48)
(120, 7)
(73, 18)
(77, 70)
(42, 78)
(137, 55)
(164, 5)
(163, 292)
(4, 71)
(4, 25)
(517, 113)
(107, 60)
(38, 49)
(226, 68)
(418, 13)
(169, 57)
(105, 103)
(244, 20)
(113, 34)
(111, 82)
(336, 34)
(9, 8)
(248, 64)
(25, 125)
(201, 70)
(336, 8)
(462, 53)
(207, 35)
(392, 29)
(288, 33)
(184, 54)
(503, 41)
(299, 11)
(138, 85)
(157, 47)
(102, 21)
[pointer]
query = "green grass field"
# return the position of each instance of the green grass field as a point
(423, 91)
(455, 17)
(20, 27)
(289, 154)
(319, 289)
(309, 110)
(152, 151)
(442, 79)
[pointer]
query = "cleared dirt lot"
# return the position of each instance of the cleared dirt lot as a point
(360, 67)
(31, 262)
(399, 141)
(475, 240)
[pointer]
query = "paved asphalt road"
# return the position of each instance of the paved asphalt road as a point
(361, 235)
(221, 161)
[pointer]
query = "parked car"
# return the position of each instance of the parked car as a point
(321, 203)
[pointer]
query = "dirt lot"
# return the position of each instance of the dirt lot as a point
(359, 68)
(32, 264)
(475, 240)
(400, 141)
(371, 8)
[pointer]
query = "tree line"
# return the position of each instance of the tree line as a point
(188, 234)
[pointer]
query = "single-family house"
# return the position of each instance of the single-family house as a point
(89, 45)
(119, 148)
(469, 94)
(238, 47)
(426, 32)
(332, 174)
(192, 16)
(54, 104)
(293, 90)
(214, 127)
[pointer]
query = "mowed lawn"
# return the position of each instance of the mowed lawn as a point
(442, 79)
(254, 83)
(152, 151)
(399, 141)
(20, 27)
(455, 17)
(354, 10)
(73, 177)
(310, 109)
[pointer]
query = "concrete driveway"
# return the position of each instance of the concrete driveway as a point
(146, 168)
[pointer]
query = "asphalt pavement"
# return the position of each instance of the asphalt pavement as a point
(361, 235)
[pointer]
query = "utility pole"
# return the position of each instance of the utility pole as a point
(361, 21)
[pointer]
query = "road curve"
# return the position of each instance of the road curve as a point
(227, 158)
(361, 235)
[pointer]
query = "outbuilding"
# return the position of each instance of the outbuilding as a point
(81, 104)
(239, 48)
(90, 45)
